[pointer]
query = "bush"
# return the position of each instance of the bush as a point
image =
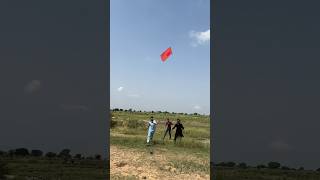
(285, 168)
(97, 157)
(113, 123)
(243, 165)
(65, 153)
(133, 123)
(261, 166)
(274, 165)
(78, 156)
(36, 153)
(21, 152)
(51, 154)
(230, 164)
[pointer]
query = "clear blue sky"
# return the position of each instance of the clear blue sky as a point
(140, 31)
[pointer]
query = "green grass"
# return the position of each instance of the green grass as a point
(191, 154)
(43, 168)
(264, 174)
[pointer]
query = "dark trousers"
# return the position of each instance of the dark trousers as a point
(165, 133)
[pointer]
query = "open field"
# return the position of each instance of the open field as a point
(36, 168)
(131, 158)
(264, 174)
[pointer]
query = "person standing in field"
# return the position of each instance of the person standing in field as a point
(167, 129)
(151, 129)
(179, 129)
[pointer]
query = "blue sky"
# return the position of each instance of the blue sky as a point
(140, 31)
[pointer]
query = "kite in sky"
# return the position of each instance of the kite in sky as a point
(165, 55)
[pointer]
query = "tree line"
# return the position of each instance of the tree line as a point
(64, 154)
(270, 165)
(166, 112)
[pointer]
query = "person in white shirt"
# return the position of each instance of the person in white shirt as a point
(151, 129)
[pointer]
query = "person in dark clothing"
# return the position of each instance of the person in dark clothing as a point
(179, 129)
(167, 129)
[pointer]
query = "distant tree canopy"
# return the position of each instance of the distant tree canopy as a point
(301, 168)
(21, 152)
(78, 156)
(227, 164)
(242, 165)
(51, 154)
(97, 157)
(274, 165)
(261, 166)
(65, 153)
(285, 168)
(2, 153)
(36, 153)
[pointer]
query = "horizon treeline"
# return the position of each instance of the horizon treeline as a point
(165, 112)
(270, 165)
(63, 154)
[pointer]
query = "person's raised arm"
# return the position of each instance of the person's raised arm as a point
(174, 126)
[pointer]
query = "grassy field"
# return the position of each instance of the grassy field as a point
(264, 174)
(131, 158)
(36, 168)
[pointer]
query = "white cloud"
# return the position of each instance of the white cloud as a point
(120, 88)
(197, 107)
(32, 86)
(200, 38)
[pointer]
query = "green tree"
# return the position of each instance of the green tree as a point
(97, 157)
(230, 164)
(21, 152)
(261, 166)
(65, 153)
(242, 165)
(285, 168)
(36, 153)
(78, 156)
(274, 165)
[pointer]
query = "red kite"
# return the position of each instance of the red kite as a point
(166, 54)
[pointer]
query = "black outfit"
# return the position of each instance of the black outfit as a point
(178, 130)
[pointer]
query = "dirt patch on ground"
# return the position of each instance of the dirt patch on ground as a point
(138, 164)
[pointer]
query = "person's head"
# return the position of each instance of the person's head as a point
(151, 118)
(178, 121)
(168, 119)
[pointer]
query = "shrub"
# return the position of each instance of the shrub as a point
(133, 123)
(243, 165)
(65, 153)
(274, 165)
(261, 166)
(51, 154)
(97, 157)
(285, 168)
(21, 152)
(36, 153)
(113, 123)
